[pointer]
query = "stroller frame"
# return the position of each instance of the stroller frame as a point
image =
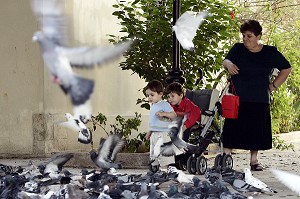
(203, 132)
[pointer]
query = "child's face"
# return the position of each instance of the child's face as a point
(174, 98)
(153, 97)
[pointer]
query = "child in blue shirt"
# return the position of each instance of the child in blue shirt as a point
(161, 114)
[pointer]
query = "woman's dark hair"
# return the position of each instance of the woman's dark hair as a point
(155, 86)
(252, 26)
(174, 88)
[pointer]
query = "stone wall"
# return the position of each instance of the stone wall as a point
(31, 105)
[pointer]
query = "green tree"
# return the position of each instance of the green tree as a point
(151, 57)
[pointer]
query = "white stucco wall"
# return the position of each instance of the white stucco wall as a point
(27, 94)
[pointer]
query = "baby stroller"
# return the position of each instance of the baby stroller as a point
(207, 131)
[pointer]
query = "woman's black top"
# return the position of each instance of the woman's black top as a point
(252, 82)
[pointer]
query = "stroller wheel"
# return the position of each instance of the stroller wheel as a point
(191, 164)
(154, 168)
(218, 160)
(227, 161)
(201, 165)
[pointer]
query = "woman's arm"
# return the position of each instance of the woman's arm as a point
(231, 67)
(280, 78)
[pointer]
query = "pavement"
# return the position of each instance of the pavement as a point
(286, 160)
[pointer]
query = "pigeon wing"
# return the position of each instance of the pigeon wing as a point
(87, 57)
(290, 180)
(189, 22)
(101, 143)
(105, 148)
(169, 149)
(118, 145)
(186, 27)
(71, 125)
(51, 19)
(61, 159)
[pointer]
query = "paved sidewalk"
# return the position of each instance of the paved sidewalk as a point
(285, 160)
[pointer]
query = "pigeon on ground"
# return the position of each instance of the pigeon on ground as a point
(243, 187)
(107, 152)
(292, 181)
(186, 27)
(104, 193)
(59, 58)
(229, 175)
(75, 124)
(174, 192)
(182, 177)
(54, 165)
(251, 180)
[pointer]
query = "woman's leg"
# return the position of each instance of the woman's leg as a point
(253, 157)
(254, 164)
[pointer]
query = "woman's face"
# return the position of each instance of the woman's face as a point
(250, 40)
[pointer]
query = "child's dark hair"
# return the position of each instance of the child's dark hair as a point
(155, 86)
(174, 87)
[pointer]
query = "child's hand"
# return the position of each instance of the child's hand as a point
(148, 135)
(160, 114)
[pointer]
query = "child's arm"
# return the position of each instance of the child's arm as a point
(171, 115)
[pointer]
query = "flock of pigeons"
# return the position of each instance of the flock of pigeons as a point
(51, 180)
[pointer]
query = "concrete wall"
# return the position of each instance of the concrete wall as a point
(31, 106)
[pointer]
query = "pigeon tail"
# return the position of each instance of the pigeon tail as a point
(80, 91)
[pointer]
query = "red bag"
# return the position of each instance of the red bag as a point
(230, 104)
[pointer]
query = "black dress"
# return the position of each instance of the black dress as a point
(252, 129)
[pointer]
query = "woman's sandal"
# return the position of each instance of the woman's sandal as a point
(256, 167)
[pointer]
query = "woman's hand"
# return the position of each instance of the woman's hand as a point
(271, 87)
(231, 67)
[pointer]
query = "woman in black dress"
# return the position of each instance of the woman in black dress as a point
(250, 65)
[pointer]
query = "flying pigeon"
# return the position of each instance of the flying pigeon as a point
(107, 152)
(174, 129)
(251, 180)
(54, 165)
(75, 124)
(186, 27)
(292, 181)
(59, 58)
